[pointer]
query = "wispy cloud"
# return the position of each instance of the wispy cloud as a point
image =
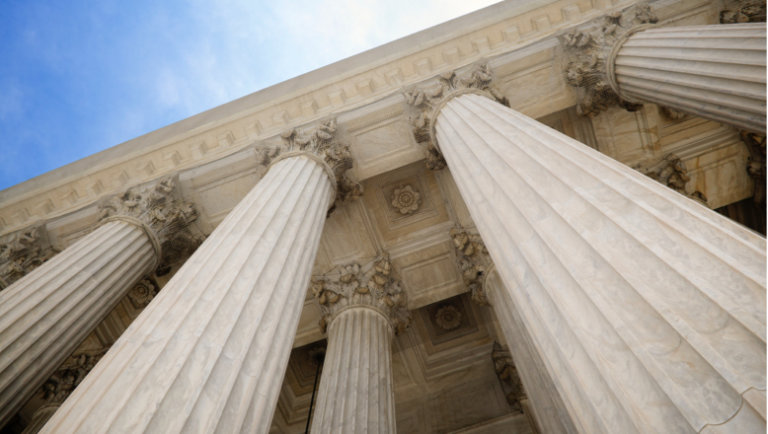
(82, 76)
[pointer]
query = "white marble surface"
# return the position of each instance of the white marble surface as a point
(356, 390)
(46, 314)
(209, 353)
(547, 405)
(647, 308)
(716, 71)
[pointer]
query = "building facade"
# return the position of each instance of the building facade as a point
(533, 218)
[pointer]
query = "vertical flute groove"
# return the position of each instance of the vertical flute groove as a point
(626, 351)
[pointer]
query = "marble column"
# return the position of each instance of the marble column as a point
(715, 72)
(362, 306)
(47, 313)
(646, 308)
(209, 353)
(546, 404)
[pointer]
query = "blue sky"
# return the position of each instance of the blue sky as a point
(81, 76)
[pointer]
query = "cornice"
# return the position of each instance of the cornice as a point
(338, 88)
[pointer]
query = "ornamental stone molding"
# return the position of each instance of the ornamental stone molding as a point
(426, 99)
(672, 172)
(589, 50)
(22, 252)
(756, 162)
(69, 375)
(321, 140)
(372, 285)
(508, 377)
(448, 317)
(143, 292)
(163, 214)
(743, 11)
(473, 261)
(406, 199)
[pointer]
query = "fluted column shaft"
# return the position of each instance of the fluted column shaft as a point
(47, 313)
(209, 353)
(356, 391)
(547, 405)
(716, 71)
(648, 309)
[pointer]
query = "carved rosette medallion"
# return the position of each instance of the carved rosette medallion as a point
(165, 214)
(142, 293)
(406, 199)
(372, 285)
(22, 252)
(672, 172)
(426, 100)
(589, 50)
(71, 373)
(322, 141)
(508, 377)
(448, 318)
(473, 261)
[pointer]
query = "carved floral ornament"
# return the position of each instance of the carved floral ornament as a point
(22, 252)
(372, 285)
(448, 317)
(160, 208)
(473, 262)
(743, 11)
(321, 140)
(508, 377)
(71, 373)
(672, 172)
(425, 101)
(143, 292)
(406, 199)
(589, 53)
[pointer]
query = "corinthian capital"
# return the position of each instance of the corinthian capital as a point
(371, 285)
(22, 252)
(321, 141)
(589, 51)
(427, 98)
(161, 211)
(473, 261)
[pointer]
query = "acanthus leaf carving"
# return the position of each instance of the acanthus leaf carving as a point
(322, 141)
(372, 284)
(756, 162)
(588, 51)
(473, 262)
(507, 374)
(69, 375)
(672, 172)
(22, 252)
(425, 101)
(743, 11)
(159, 207)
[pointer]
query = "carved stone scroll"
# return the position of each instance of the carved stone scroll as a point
(322, 140)
(426, 98)
(22, 252)
(588, 50)
(473, 261)
(372, 285)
